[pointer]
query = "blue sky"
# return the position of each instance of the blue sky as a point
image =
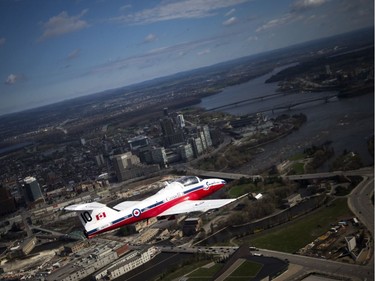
(55, 50)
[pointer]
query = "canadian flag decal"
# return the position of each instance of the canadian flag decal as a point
(100, 216)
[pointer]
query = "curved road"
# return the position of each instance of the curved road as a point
(360, 204)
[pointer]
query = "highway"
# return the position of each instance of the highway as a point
(359, 201)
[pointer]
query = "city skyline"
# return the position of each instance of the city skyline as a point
(65, 49)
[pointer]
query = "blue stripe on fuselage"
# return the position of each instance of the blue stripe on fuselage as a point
(193, 189)
(152, 206)
(92, 231)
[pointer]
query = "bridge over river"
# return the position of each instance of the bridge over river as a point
(272, 109)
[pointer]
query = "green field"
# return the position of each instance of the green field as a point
(298, 156)
(295, 235)
(203, 273)
(197, 271)
(298, 168)
(239, 190)
(245, 270)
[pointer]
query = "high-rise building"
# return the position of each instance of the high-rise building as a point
(180, 121)
(165, 111)
(207, 135)
(196, 144)
(128, 166)
(138, 142)
(167, 126)
(186, 152)
(126, 160)
(159, 156)
(32, 189)
(99, 160)
(171, 136)
(7, 202)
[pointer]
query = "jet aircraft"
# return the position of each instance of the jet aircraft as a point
(180, 196)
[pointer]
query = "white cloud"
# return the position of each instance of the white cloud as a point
(2, 41)
(252, 38)
(231, 21)
(184, 9)
(153, 56)
(62, 24)
(74, 54)
(297, 9)
(285, 19)
(300, 5)
(125, 7)
(150, 38)
(11, 79)
(231, 12)
(204, 52)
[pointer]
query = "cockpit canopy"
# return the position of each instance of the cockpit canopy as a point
(188, 180)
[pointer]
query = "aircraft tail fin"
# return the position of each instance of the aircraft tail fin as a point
(92, 214)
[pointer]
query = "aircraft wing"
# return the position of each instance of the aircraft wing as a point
(124, 205)
(195, 206)
(85, 207)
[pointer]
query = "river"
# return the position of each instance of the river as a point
(347, 123)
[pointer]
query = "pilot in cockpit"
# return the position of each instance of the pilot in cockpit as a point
(188, 180)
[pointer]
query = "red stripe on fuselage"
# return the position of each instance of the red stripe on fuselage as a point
(154, 212)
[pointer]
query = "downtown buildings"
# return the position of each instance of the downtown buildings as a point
(177, 142)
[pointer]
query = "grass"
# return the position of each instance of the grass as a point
(293, 236)
(189, 268)
(182, 271)
(243, 272)
(238, 190)
(298, 168)
(298, 156)
(247, 269)
(205, 273)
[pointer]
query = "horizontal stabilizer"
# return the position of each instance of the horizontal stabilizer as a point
(125, 205)
(93, 215)
(196, 206)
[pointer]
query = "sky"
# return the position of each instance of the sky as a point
(53, 50)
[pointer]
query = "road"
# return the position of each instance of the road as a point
(359, 201)
(309, 264)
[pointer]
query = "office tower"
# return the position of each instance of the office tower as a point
(138, 142)
(159, 156)
(128, 166)
(32, 189)
(167, 126)
(165, 111)
(171, 136)
(180, 121)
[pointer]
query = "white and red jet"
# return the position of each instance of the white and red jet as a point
(180, 196)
